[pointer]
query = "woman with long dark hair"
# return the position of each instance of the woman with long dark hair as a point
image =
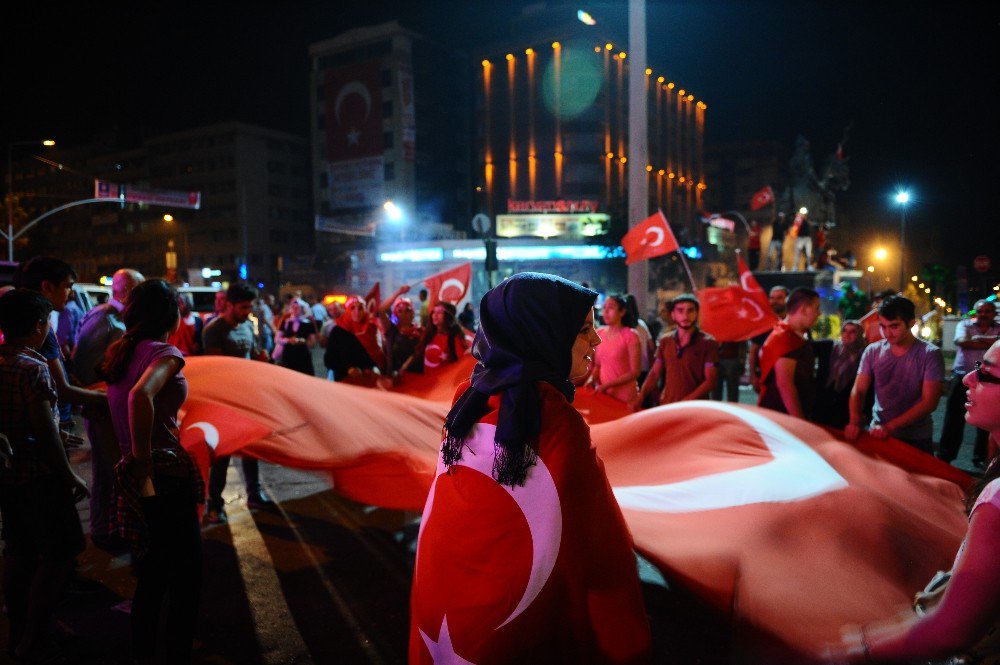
(158, 483)
(443, 341)
(521, 502)
(966, 621)
(618, 363)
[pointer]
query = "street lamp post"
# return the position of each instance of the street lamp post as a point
(10, 190)
(902, 199)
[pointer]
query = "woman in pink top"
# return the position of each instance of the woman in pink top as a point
(966, 621)
(619, 357)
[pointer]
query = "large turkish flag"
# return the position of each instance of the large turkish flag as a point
(353, 117)
(649, 238)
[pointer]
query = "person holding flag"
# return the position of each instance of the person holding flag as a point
(962, 621)
(523, 553)
(788, 382)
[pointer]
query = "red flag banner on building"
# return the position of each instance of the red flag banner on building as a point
(374, 298)
(650, 238)
(787, 531)
(452, 285)
(762, 198)
(736, 313)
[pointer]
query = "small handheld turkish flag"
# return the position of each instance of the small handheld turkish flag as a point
(651, 237)
(449, 286)
(764, 197)
(736, 313)
(374, 298)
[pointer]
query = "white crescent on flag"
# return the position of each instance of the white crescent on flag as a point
(210, 430)
(759, 312)
(356, 88)
(749, 283)
(796, 472)
(655, 232)
(451, 282)
(538, 499)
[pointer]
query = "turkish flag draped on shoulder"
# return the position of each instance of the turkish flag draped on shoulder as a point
(540, 573)
(449, 286)
(374, 298)
(650, 238)
(736, 313)
(762, 198)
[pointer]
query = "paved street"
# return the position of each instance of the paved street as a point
(318, 580)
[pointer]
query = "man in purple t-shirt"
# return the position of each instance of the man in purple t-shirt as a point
(908, 375)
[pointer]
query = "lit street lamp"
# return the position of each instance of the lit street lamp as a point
(10, 191)
(902, 199)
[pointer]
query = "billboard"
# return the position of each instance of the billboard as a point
(353, 126)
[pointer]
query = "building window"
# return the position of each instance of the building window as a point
(323, 180)
(386, 78)
(389, 172)
(387, 140)
(387, 108)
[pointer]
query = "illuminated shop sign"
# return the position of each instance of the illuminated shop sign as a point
(548, 226)
(561, 205)
(515, 253)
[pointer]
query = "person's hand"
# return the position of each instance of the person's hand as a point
(879, 432)
(852, 431)
(755, 383)
(78, 487)
(405, 288)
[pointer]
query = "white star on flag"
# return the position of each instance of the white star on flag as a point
(442, 651)
(353, 136)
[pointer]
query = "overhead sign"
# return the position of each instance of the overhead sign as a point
(160, 197)
(549, 226)
(582, 205)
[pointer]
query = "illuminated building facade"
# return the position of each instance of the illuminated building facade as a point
(551, 126)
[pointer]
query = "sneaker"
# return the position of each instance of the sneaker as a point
(259, 500)
(214, 516)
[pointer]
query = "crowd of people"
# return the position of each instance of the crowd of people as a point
(145, 489)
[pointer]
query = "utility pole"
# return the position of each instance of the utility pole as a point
(638, 118)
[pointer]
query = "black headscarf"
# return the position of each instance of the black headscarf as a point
(527, 327)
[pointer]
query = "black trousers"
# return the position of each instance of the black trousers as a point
(169, 575)
(954, 424)
(217, 479)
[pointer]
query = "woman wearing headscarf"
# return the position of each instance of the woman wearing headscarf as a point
(297, 336)
(833, 406)
(523, 554)
(353, 348)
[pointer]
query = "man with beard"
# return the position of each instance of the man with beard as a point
(232, 334)
(685, 358)
(778, 295)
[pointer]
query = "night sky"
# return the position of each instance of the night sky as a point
(918, 82)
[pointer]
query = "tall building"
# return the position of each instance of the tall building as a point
(551, 122)
(254, 204)
(390, 116)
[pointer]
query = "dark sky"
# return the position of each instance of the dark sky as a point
(917, 81)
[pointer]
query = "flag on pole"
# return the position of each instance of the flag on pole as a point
(736, 313)
(451, 285)
(869, 323)
(762, 198)
(650, 238)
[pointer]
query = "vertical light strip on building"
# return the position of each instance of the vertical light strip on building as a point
(608, 153)
(512, 152)
(557, 69)
(620, 121)
(700, 151)
(488, 129)
(532, 155)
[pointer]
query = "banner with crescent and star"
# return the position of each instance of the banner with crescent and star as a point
(353, 126)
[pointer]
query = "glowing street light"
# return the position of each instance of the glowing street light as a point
(393, 212)
(902, 200)
(585, 18)
(871, 268)
(168, 218)
(881, 253)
